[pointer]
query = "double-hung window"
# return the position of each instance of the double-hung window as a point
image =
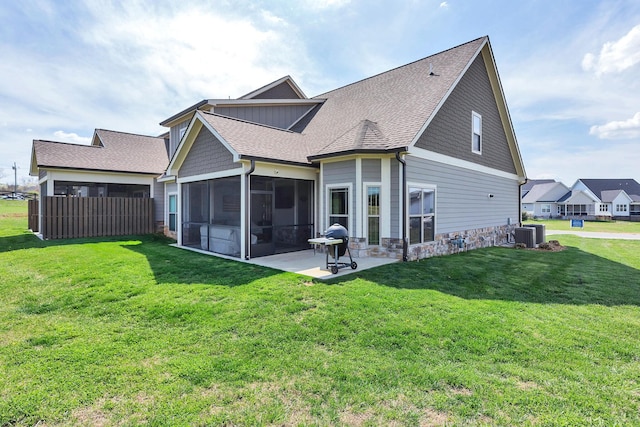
(476, 133)
(339, 206)
(373, 215)
(173, 211)
(421, 214)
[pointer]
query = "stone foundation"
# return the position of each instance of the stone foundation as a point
(444, 244)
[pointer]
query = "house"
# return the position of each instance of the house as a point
(540, 199)
(413, 162)
(116, 164)
(408, 161)
(612, 198)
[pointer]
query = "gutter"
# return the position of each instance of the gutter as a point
(405, 246)
(247, 216)
(520, 201)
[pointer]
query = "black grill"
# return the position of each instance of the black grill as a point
(337, 231)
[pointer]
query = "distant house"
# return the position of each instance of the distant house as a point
(541, 199)
(407, 160)
(615, 198)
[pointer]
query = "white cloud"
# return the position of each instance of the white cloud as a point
(615, 56)
(63, 136)
(326, 4)
(623, 129)
(444, 5)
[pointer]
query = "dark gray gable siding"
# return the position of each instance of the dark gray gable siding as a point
(280, 116)
(282, 91)
(449, 132)
(462, 201)
(207, 155)
(174, 136)
(371, 170)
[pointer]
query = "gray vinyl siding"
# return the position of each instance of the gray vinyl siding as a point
(450, 130)
(42, 173)
(206, 155)
(462, 201)
(280, 116)
(339, 173)
(158, 200)
(174, 136)
(371, 170)
(282, 91)
(395, 200)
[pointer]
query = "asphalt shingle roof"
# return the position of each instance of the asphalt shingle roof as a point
(597, 186)
(119, 152)
(381, 113)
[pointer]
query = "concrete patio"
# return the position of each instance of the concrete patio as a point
(314, 265)
(305, 262)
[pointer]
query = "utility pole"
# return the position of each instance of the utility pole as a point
(15, 180)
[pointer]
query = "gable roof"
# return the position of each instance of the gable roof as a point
(546, 192)
(598, 186)
(608, 196)
(383, 113)
(531, 182)
(285, 84)
(110, 151)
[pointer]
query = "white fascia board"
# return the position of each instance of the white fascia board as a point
(94, 176)
(261, 102)
(454, 161)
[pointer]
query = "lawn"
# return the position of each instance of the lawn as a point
(128, 331)
(596, 226)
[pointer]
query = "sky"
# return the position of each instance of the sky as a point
(569, 68)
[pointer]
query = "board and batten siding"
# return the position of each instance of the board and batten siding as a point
(450, 131)
(462, 195)
(207, 155)
(281, 116)
(174, 136)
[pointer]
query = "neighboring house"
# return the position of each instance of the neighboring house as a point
(616, 198)
(409, 161)
(541, 199)
(527, 186)
(406, 160)
(116, 164)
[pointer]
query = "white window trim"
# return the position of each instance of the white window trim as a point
(435, 208)
(473, 133)
(365, 205)
(350, 215)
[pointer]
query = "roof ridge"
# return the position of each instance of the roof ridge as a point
(246, 121)
(400, 66)
(128, 133)
(75, 144)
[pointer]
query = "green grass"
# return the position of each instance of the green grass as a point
(596, 226)
(129, 331)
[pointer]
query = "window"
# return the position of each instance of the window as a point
(621, 208)
(373, 215)
(421, 214)
(604, 208)
(173, 211)
(476, 133)
(546, 208)
(339, 206)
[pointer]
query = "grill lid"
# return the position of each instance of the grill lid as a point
(336, 231)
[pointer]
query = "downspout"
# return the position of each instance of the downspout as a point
(405, 246)
(520, 201)
(247, 216)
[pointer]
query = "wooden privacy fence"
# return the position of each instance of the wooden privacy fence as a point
(70, 217)
(33, 212)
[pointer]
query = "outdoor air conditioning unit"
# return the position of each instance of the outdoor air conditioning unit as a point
(526, 235)
(540, 232)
